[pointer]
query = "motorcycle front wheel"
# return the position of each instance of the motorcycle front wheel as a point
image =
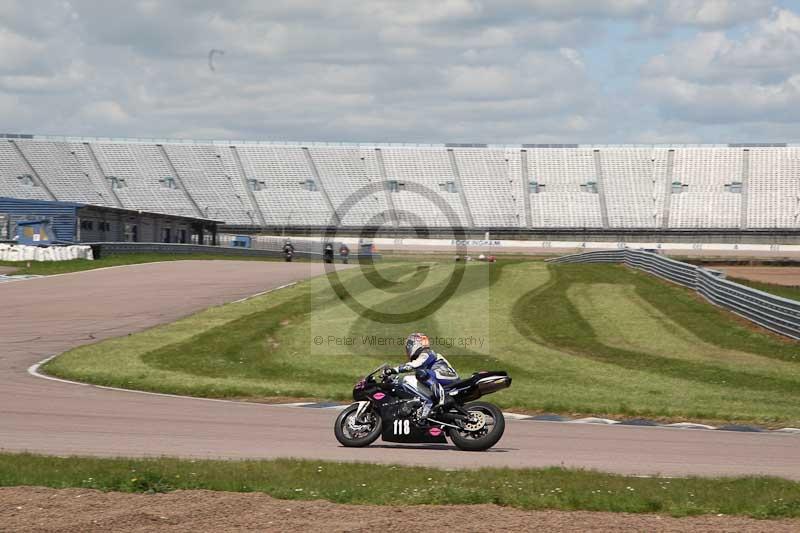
(357, 433)
(483, 431)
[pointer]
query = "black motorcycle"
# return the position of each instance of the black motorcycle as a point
(383, 408)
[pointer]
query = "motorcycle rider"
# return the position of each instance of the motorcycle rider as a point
(327, 253)
(344, 253)
(288, 249)
(432, 374)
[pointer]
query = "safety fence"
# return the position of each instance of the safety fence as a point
(102, 249)
(311, 245)
(778, 314)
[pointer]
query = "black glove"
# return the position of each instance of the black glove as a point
(389, 371)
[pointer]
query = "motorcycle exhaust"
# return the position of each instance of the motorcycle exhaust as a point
(493, 384)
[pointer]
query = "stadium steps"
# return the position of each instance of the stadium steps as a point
(36, 176)
(526, 187)
(178, 178)
(252, 197)
(102, 171)
(460, 187)
(668, 188)
(745, 196)
(598, 166)
(385, 179)
(319, 181)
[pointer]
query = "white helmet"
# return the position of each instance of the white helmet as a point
(415, 343)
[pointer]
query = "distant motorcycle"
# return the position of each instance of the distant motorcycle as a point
(327, 253)
(288, 255)
(383, 408)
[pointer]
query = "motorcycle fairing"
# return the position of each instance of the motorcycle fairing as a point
(399, 428)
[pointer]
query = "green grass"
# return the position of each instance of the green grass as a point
(785, 291)
(577, 339)
(47, 268)
(550, 488)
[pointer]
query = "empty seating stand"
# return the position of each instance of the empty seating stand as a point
(317, 184)
(140, 176)
(773, 188)
(16, 177)
(561, 202)
(280, 179)
(492, 182)
(354, 185)
(704, 201)
(634, 181)
(219, 193)
(423, 194)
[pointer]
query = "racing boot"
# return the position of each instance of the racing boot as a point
(423, 413)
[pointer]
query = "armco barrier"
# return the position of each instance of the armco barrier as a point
(101, 249)
(781, 315)
(104, 248)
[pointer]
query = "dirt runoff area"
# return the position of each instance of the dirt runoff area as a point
(82, 510)
(789, 276)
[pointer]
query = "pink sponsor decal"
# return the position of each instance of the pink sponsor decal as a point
(379, 396)
(434, 432)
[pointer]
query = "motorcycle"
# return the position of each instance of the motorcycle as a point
(384, 408)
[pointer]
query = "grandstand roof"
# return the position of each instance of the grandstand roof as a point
(227, 142)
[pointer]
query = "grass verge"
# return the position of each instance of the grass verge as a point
(356, 483)
(577, 339)
(47, 268)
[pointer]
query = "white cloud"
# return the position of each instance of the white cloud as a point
(19, 52)
(455, 70)
(714, 13)
(106, 111)
(728, 102)
(716, 78)
(581, 8)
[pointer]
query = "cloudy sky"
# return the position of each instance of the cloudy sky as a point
(496, 71)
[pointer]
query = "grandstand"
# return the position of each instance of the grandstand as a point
(505, 189)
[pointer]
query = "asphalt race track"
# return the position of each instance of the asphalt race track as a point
(46, 316)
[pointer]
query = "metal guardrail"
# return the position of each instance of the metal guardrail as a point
(101, 249)
(775, 313)
(104, 248)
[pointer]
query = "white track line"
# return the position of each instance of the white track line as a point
(97, 269)
(262, 293)
(34, 369)
(47, 276)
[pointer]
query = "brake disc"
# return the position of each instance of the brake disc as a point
(477, 421)
(354, 425)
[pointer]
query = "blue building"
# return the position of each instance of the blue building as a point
(40, 222)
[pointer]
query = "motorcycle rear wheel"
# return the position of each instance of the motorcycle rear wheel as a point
(487, 437)
(345, 435)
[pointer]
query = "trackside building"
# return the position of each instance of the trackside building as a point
(45, 222)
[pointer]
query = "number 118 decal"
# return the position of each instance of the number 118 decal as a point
(402, 427)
